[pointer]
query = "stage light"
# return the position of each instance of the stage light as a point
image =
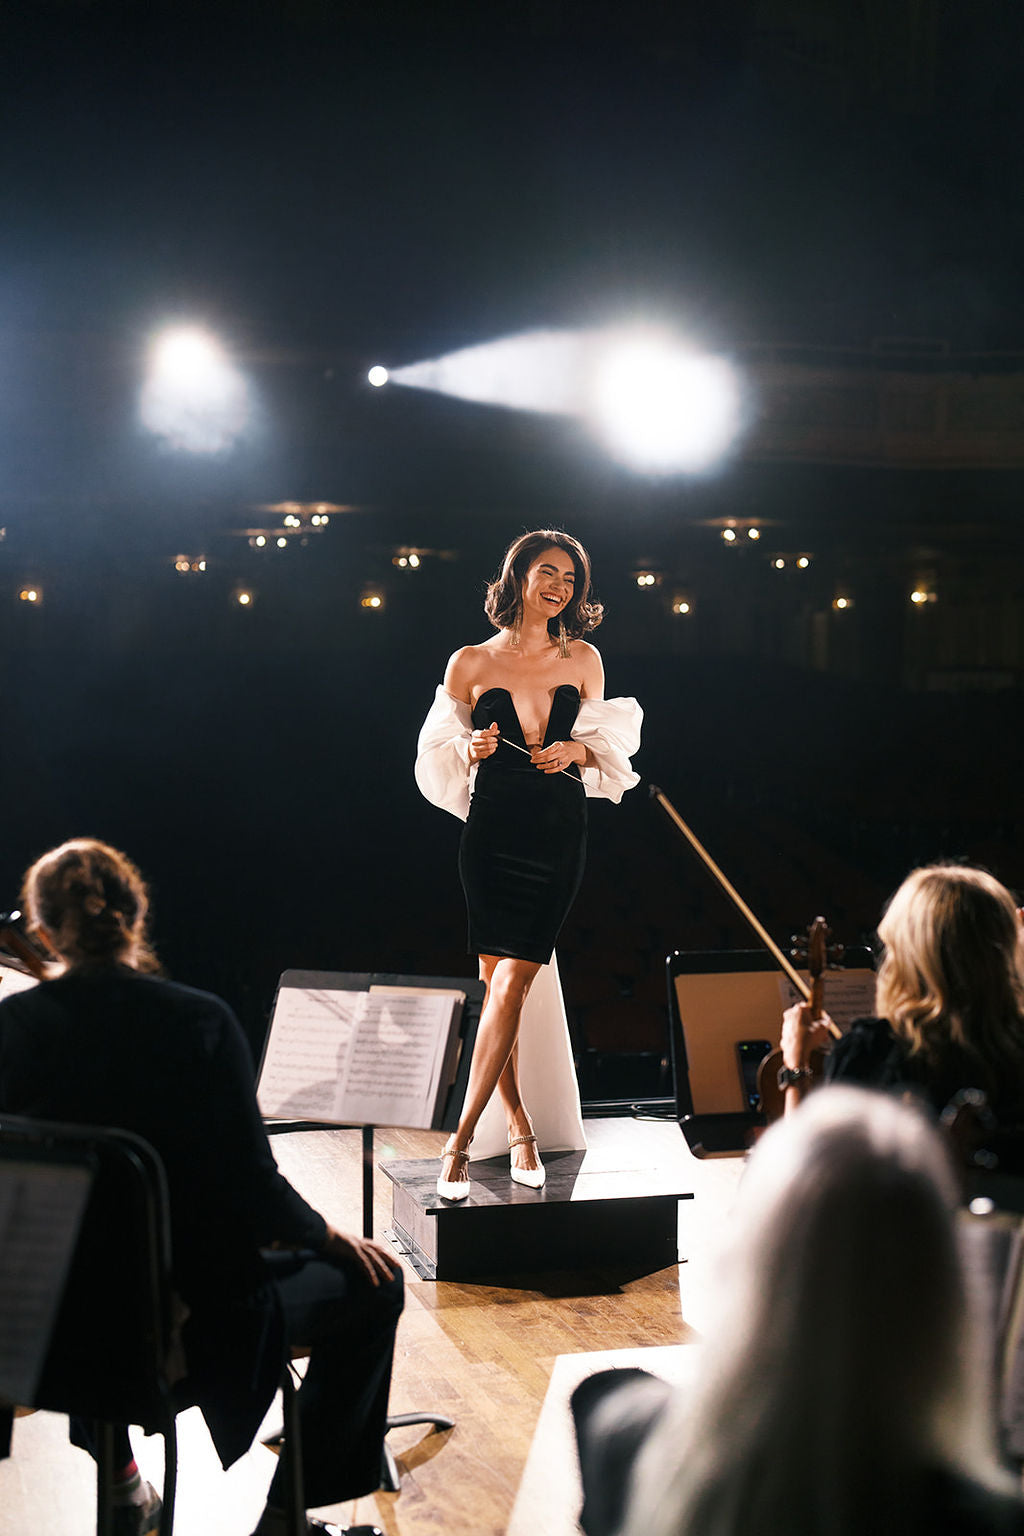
(663, 409)
(646, 579)
(193, 398)
(31, 595)
(282, 542)
(922, 595)
(753, 533)
(681, 606)
(371, 600)
(803, 562)
(658, 406)
(841, 604)
(182, 564)
(779, 564)
(729, 535)
(243, 597)
(414, 562)
(291, 521)
(400, 560)
(377, 376)
(260, 541)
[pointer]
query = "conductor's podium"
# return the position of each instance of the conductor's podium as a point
(615, 1205)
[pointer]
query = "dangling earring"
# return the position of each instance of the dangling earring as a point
(516, 627)
(563, 642)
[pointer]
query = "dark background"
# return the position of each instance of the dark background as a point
(331, 185)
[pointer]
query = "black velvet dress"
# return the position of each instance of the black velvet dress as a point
(524, 845)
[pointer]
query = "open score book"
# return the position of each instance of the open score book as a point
(386, 1056)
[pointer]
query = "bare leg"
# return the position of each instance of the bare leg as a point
(525, 1154)
(508, 982)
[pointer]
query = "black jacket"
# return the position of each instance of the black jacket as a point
(120, 1049)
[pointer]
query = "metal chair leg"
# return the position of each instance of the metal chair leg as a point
(292, 1453)
(390, 1481)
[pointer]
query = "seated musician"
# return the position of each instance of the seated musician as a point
(832, 1395)
(109, 1042)
(949, 998)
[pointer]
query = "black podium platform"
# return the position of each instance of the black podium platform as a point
(597, 1209)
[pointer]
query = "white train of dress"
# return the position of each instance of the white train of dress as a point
(610, 729)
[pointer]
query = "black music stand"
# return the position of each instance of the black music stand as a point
(361, 981)
(717, 1048)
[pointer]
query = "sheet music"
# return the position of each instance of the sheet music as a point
(849, 995)
(382, 1057)
(41, 1208)
(399, 1051)
(306, 1061)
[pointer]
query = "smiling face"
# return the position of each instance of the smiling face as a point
(549, 582)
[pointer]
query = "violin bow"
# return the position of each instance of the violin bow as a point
(781, 959)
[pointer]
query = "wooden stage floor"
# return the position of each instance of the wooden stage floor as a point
(483, 1354)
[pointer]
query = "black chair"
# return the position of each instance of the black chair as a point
(112, 1356)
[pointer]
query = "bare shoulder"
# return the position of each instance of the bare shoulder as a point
(588, 658)
(463, 670)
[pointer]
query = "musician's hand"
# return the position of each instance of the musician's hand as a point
(374, 1259)
(801, 1035)
(483, 743)
(558, 756)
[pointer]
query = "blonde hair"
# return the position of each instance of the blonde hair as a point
(952, 976)
(836, 1366)
(93, 902)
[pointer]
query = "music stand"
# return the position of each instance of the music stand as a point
(362, 981)
(725, 1012)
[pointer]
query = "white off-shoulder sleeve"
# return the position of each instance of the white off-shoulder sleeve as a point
(610, 730)
(442, 754)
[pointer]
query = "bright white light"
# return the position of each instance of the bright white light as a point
(779, 564)
(753, 533)
(414, 561)
(803, 562)
(194, 399)
(841, 603)
(729, 535)
(680, 607)
(659, 407)
(377, 376)
(282, 542)
(538, 371)
(663, 409)
(243, 599)
(261, 540)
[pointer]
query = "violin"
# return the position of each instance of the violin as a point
(27, 953)
(772, 1097)
(817, 953)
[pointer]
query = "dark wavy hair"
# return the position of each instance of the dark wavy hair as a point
(504, 602)
(93, 902)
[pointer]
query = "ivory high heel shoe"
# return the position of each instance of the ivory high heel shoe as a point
(453, 1189)
(533, 1178)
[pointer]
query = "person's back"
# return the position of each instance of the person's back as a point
(109, 1043)
(834, 1396)
(108, 1046)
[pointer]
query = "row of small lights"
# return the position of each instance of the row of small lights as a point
(842, 603)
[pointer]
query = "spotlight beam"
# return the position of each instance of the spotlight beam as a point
(659, 406)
